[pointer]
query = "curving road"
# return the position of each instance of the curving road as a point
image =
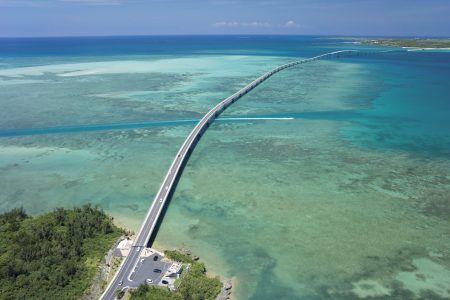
(124, 276)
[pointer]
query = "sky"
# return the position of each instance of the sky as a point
(33, 18)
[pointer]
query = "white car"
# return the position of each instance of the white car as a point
(149, 280)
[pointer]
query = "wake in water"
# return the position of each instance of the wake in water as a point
(251, 119)
(122, 126)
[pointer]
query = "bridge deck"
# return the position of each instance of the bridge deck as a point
(168, 185)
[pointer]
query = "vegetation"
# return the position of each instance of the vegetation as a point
(178, 256)
(53, 256)
(422, 43)
(146, 292)
(194, 284)
(114, 266)
(414, 43)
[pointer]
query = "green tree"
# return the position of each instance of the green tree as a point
(45, 257)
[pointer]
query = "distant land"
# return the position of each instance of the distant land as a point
(422, 43)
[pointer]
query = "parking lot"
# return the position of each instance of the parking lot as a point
(145, 270)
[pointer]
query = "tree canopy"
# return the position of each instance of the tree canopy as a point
(53, 256)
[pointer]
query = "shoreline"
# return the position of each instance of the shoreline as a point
(428, 44)
(234, 282)
(229, 283)
(426, 49)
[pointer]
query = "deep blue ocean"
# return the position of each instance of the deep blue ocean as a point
(165, 45)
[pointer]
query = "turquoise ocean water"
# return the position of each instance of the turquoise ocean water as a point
(340, 190)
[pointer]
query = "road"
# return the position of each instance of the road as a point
(168, 185)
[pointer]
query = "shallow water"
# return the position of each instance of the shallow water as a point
(348, 197)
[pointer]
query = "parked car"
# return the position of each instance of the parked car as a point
(155, 258)
(149, 280)
(157, 270)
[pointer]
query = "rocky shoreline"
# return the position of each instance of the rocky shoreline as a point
(225, 292)
(100, 278)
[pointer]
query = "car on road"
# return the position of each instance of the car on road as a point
(149, 280)
(121, 282)
(157, 270)
(155, 258)
(122, 293)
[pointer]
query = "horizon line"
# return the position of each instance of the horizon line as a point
(350, 36)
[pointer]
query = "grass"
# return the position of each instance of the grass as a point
(114, 266)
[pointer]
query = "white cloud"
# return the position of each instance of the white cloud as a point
(224, 24)
(254, 24)
(291, 24)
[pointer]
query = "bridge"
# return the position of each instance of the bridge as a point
(124, 276)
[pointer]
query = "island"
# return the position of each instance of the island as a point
(416, 43)
(74, 254)
(420, 43)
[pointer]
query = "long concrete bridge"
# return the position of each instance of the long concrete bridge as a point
(124, 276)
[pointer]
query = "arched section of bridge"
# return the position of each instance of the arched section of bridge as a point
(156, 211)
(180, 161)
